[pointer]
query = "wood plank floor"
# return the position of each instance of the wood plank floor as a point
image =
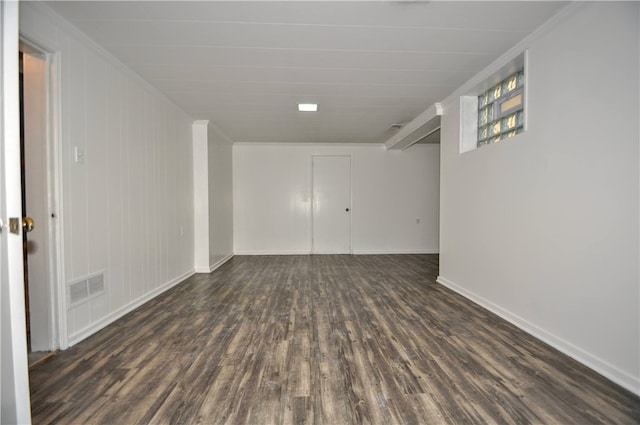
(331, 340)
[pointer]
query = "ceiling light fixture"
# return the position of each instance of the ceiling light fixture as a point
(307, 107)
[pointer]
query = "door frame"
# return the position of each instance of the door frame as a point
(350, 199)
(56, 294)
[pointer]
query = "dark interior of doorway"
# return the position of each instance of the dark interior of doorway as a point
(25, 259)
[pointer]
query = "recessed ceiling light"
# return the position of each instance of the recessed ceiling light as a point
(307, 107)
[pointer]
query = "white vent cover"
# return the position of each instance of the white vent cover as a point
(86, 288)
(78, 292)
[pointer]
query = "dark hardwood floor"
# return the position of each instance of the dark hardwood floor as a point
(331, 340)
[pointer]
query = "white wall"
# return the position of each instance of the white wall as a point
(213, 193)
(128, 209)
(201, 195)
(390, 190)
(544, 228)
(220, 197)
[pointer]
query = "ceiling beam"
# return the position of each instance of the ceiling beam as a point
(417, 129)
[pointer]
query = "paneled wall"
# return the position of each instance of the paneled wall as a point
(213, 193)
(220, 197)
(391, 192)
(127, 208)
(201, 195)
(543, 228)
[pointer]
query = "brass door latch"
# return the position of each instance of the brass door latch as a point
(14, 224)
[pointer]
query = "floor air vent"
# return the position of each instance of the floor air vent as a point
(86, 288)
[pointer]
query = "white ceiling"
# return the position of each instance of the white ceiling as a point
(246, 65)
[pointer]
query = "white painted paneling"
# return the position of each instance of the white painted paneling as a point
(281, 74)
(213, 192)
(334, 105)
(201, 195)
(543, 228)
(261, 58)
(502, 16)
(97, 183)
(271, 199)
(335, 53)
(116, 219)
(310, 37)
(128, 208)
(391, 191)
(331, 204)
(220, 197)
(396, 201)
(74, 120)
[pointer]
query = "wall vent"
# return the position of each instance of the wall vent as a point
(86, 288)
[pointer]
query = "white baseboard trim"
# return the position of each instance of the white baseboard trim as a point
(600, 366)
(202, 269)
(221, 262)
(100, 324)
(214, 266)
(354, 252)
(394, 252)
(272, 253)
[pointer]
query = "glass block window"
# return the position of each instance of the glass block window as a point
(501, 110)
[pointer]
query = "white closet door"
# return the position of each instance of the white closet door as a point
(331, 204)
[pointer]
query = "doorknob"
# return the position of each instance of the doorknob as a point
(27, 224)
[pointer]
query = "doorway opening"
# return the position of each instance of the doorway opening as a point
(38, 202)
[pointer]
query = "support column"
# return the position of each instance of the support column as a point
(201, 195)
